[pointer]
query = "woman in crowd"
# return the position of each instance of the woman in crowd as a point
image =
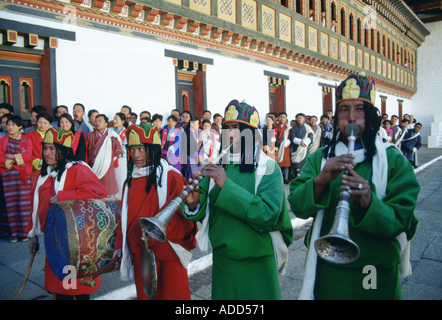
(16, 168)
(66, 123)
(210, 142)
(191, 157)
(171, 140)
(120, 163)
(4, 226)
(185, 119)
(270, 139)
(44, 120)
(4, 123)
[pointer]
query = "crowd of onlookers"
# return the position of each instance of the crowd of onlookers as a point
(21, 146)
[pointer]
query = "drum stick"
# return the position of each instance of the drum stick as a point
(91, 282)
(26, 276)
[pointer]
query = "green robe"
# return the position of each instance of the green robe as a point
(239, 225)
(374, 229)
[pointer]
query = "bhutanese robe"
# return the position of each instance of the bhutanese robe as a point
(270, 142)
(173, 283)
(80, 183)
(16, 183)
(410, 144)
(37, 138)
(94, 144)
(374, 229)
(284, 161)
(171, 141)
(241, 216)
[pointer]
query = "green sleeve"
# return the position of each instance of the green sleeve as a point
(395, 213)
(204, 186)
(302, 197)
(260, 211)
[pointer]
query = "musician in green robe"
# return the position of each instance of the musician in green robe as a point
(383, 195)
(242, 209)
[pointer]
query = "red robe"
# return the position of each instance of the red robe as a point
(26, 153)
(173, 283)
(37, 152)
(286, 160)
(80, 184)
(94, 144)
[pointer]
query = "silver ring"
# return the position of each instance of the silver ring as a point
(360, 186)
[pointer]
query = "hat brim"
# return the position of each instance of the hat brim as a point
(241, 121)
(360, 99)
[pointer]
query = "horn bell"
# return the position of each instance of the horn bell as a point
(337, 249)
(155, 227)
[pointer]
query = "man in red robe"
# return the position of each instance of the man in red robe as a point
(79, 183)
(103, 146)
(283, 158)
(152, 183)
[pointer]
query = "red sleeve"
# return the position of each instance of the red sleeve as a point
(27, 154)
(32, 137)
(3, 142)
(81, 183)
(116, 147)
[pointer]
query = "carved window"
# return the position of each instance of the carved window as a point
(26, 95)
(5, 90)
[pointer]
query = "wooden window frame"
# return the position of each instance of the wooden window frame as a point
(30, 93)
(8, 81)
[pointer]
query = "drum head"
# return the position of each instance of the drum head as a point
(58, 240)
(149, 273)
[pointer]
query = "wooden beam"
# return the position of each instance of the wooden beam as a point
(432, 19)
(427, 6)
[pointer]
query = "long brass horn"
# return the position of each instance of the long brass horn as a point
(155, 226)
(337, 247)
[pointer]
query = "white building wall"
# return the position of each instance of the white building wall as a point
(428, 100)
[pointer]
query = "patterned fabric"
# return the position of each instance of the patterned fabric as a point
(241, 112)
(94, 143)
(356, 87)
(69, 225)
(4, 225)
(18, 205)
(60, 137)
(144, 133)
(171, 140)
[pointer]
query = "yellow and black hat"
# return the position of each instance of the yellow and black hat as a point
(60, 137)
(241, 112)
(356, 87)
(140, 134)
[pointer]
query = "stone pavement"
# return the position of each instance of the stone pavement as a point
(426, 254)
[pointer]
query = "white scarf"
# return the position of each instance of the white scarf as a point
(58, 186)
(415, 135)
(402, 135)
(316, 140)
(126, 269)
(104, 157)
(301, 152)
(379, 179)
